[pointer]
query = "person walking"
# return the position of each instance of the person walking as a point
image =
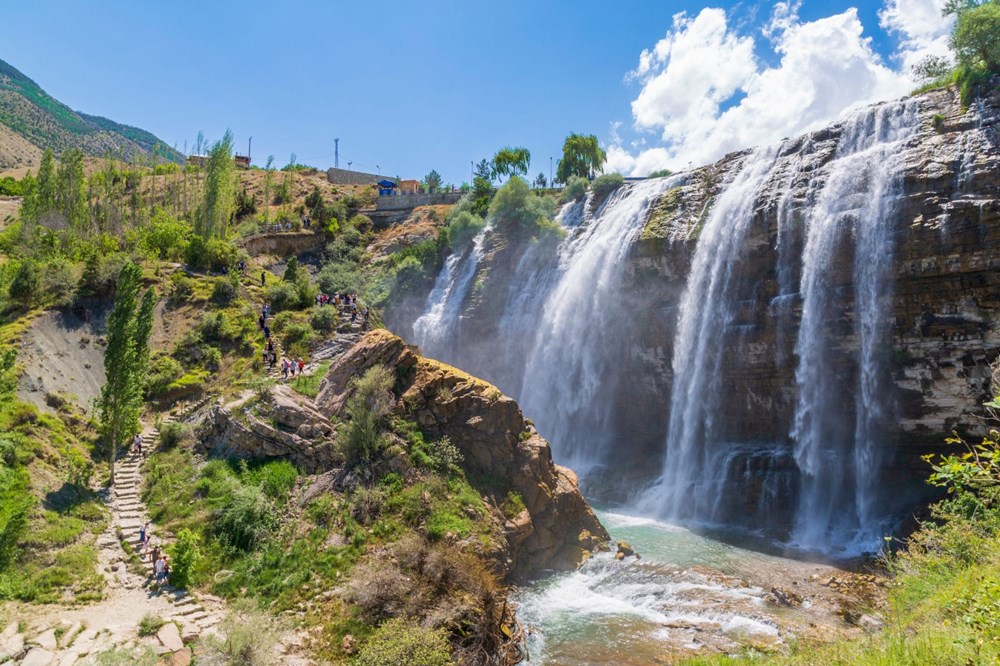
(137, 442)
(302, 365)
(263, 278)
(267, 332)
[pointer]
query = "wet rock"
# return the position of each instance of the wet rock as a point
(626, 549)
(781, 597)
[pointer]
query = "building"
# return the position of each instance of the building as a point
(409, 187)
(348, 177)
(242, 161)
(387, 188)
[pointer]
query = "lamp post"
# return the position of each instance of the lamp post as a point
(249, 146)
(378, 170)
(472, 170)
(349, 165)
(551, 184)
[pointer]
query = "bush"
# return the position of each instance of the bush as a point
(59, 282)
(214, 255)
(283, 296)
(463, 227)
(339, 277)
(516, 209)
(165, 237)
(247, 520)
(325, 318)
(24, 288)
(576, 188)
(409, 275)
(604, 185)
(368, 407)
(250, 639)
(397, 642)
(175, 433)
(224, 291)
(150, 624)
(185, 555)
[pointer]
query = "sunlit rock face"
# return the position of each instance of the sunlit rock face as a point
(766, 342)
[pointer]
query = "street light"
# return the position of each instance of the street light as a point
(349, 165)
(249, 146)
(551, 184)
(472, 169)
(378, 170)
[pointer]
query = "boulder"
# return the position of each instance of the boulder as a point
(170, 637)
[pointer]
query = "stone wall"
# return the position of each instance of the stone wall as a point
(348, 177)
(409, 201)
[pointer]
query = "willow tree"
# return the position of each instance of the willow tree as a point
(582, 156)
(511, 162)
(220, 190)
(125, 359)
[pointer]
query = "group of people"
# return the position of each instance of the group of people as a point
(160, 560)
(347, 300)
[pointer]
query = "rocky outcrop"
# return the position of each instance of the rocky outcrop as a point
(283, 244)
(501, 450)
(283, 425)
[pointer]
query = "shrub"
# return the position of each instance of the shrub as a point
(174, 434)
(409, 275)
(150, 624)
(463, 227)
(379, 590)
(298, 335)
(324, 318)
(283, 296)
(398, 642)
(247, 520)
(576, 188)
(26, 284)
(250, 639)
(181, 288)
(59, 282)
(339, 276)
(515, 208)
(165, 237)
(215, 254)
(604, 185)
(185, 555)
(223, 291)
(368, 407)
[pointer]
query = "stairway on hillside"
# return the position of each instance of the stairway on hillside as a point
(129, 513)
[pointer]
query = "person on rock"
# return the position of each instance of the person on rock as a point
(158, 568)
(143, 537)
(284, 368)
(274, 359)
(267, 332)
(302, 365)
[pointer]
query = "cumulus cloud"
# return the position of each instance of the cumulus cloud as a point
(921, 28)
(705, 91)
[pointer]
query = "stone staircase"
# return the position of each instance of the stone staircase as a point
(129, 513)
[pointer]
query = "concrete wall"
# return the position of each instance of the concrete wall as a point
(402, 201)
(346, 177)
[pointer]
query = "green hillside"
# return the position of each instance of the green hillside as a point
(48, 123)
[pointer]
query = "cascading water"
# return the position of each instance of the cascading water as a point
(840, 464)
(444, 304)
(571, 365)
(688, 488)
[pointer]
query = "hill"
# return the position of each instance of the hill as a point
(37, 121)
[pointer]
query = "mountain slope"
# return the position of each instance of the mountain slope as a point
(34, 115)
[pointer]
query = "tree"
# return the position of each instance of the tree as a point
(432, 181)
(930, 68)
(541, 181)
(660, 173)
(220, 189)
(125, 359)
(71, 197)
(268, 180)
(582, 156)
(511, 162)
(24, 287)
(975, 37)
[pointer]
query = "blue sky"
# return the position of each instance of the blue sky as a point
(416, 87)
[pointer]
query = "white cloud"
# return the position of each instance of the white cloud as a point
(705, 92)
(920, 26)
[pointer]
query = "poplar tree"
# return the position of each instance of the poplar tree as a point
(125, 358)
(220, 190)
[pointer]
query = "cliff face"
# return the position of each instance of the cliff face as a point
(942, 312)
(501, 451)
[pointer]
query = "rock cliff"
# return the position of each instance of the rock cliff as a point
(943, 313)
(501, 451)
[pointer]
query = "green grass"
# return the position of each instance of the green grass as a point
(308, 385)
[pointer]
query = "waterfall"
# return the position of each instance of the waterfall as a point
(570, 367)
(840, 464)
(434, 327)
(689, 486)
